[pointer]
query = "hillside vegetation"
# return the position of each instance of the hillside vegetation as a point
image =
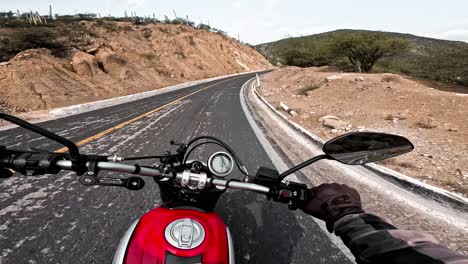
(50, 63)
(421, 57)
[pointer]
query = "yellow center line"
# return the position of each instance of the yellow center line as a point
(128, 122)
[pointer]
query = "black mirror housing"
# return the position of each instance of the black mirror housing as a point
(359, 148)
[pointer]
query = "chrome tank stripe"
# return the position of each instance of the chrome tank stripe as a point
(232, 259)
(119, 255)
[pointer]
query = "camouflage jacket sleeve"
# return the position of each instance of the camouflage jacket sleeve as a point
(372, 240)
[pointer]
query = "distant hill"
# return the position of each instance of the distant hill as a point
(436, 59)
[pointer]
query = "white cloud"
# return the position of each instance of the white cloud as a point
(454, 34)
(236, 4)
(135, 3)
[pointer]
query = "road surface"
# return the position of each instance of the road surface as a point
(54, 219)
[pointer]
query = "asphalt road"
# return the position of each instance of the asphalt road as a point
(54, 219)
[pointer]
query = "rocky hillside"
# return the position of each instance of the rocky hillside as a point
(85, 61)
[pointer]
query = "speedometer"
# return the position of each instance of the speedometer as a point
(221, 164)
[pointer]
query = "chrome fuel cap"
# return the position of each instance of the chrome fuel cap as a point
(185, 233)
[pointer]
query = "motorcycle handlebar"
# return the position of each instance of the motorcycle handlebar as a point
(185, 177)
(38, 163)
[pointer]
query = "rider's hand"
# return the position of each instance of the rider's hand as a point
(330, 202)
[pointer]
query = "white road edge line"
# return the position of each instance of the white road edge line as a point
(379, 168)
(281, 166)
(436, 209)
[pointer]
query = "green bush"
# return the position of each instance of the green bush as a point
(305, 58)
(365, 49)
(38, 38)
(351, 50)
(204, 27)
(32, 38)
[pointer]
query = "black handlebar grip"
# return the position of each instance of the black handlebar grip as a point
(5, 163)
(29, 163)
(5, 173)
(5, 157)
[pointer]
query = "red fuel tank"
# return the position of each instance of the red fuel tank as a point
(165, 236)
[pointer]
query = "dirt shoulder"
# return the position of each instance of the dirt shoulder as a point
(434, 120)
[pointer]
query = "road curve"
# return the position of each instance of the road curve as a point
(54, 219)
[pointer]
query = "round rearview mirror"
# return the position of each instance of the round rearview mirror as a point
(364, 147)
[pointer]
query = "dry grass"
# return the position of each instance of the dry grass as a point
(147, 33)
(390, 117)
(307, 88)
(150, 56)
(426, 124)
(119, 60)
(390, 78)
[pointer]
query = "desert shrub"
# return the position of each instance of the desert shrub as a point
(127, 28)
(177, 21)
(88, 17)
(305, 58)
(7, 14)
(307, 88)
(180, 53)
(204, 27)
(426, 124)
(32, 38)
(101, 22)
(150, 56)
(390, 78)
(192, 41)
(218, 31)
(147, 33)
(67, 18)
(118, 60)
(389, 117)
(15, 23)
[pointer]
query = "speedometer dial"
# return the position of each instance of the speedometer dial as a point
(221, 164)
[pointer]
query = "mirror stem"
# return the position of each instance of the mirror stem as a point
(302, 165)
(72, 148)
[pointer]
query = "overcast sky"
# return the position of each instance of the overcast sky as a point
(259, 21)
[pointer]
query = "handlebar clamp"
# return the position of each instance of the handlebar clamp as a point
(90, 177)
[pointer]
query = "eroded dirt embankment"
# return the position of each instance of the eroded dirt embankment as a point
(330, 103)
(120, 58)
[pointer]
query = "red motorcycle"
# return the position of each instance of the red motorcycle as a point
(185, 229)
